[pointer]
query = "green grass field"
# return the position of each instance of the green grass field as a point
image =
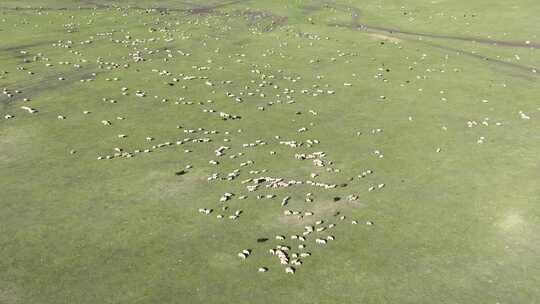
(440, 100)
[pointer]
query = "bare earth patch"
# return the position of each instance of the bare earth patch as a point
(322, 210)
(8, 293)
(10, 139)
(164, 185)
(385, 37)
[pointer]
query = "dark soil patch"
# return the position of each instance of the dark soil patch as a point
(50, 82)
(266, 20)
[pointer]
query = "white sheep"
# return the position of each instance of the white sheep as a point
(320, 241)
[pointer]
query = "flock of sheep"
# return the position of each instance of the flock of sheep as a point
(270, 88)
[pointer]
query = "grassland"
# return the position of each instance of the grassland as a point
(452, 86)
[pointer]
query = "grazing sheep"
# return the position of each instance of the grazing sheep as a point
(320, 241)
(284, 248)
(29, 110)
(296, 262)
(205, 211)
(290, 270)
(524, 116)
(285, 200)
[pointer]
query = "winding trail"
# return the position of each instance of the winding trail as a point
(399, 33)
(355, 24)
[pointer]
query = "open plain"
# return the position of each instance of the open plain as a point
(269, 151)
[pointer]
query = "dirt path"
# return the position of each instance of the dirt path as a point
(192, 8)
(355, 18)
(389, 33)
(396, 34)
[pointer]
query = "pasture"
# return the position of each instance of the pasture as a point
(269, 151)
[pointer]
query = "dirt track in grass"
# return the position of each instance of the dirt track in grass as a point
(355, 23)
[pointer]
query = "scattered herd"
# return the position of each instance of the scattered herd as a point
(263, 87)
